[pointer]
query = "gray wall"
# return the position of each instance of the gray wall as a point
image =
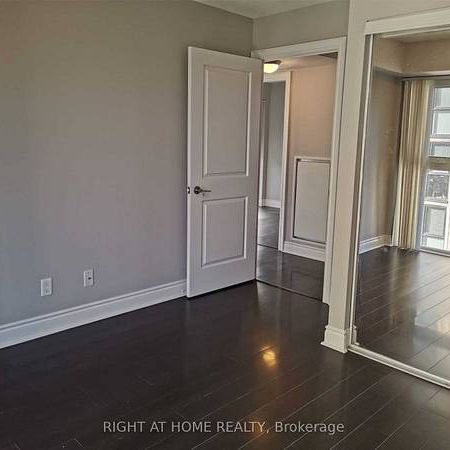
(381, 157)
(93, 144)
(274, 93)
(310, 122)
(323, 21)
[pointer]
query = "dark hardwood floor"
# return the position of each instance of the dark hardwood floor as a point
(293, 273)
(403, 307)
(268, 226)
(251, 352)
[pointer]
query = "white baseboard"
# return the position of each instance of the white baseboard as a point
(336, 339)
(305, 249)
(270, 203)
(26, 330)
(373, 243)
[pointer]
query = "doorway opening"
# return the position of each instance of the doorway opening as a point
(298, 108)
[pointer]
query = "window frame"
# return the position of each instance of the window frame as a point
(432, 137)
(434, 163)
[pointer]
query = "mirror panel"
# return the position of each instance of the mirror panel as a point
(402, 295)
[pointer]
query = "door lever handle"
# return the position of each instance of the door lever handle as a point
(199, 190)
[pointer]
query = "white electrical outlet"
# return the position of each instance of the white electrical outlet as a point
(46, 287)
(88, 278)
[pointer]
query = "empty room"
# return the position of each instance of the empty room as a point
(224, 224)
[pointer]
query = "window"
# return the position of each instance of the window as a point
(435, 229)
(434, 225)
(439, 141)
(440, 150)
(436, 187)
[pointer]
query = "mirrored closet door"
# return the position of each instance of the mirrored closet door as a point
(402, 293)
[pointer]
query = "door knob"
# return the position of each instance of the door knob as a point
(199, 190)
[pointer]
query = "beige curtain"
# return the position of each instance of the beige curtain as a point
(412, 139)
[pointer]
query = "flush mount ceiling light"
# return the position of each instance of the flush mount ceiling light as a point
(271, 66)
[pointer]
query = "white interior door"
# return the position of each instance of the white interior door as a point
(224, 101)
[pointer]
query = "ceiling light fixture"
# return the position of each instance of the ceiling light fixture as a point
(271, 66)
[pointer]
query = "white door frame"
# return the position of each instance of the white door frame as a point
(283, 77)
(335, 45)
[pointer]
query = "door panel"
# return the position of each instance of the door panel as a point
(226, 94)
(227, 219)
(223, 151)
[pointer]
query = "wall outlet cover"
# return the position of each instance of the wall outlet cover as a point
(88, 278)
(46, 287)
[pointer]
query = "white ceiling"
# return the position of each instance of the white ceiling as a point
(260, 8)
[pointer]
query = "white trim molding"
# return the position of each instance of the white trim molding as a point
(305, 249)
(298, 50)
(373, 243)
(270, 203)
(36, 327)
(336, 339)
